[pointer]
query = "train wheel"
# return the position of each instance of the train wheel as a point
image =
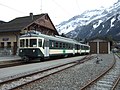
(42, 59)
(25, 58)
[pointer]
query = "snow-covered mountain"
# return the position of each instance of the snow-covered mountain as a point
(100, 22)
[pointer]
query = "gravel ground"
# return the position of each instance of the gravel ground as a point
(118, 86)
(73, 78)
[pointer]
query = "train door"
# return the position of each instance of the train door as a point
(78, 48)
(73, 49)
(46, 48)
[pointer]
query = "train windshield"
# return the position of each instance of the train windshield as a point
(39, 43)
(28, 42)
(22, 42)
(33, 42)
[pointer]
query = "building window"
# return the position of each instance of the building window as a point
(2, 45)
(8, 44)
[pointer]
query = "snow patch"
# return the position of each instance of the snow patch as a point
(118, 34)
(112, 20)
(96, 25)
(118, 17)
(107, 30)
(100, 31)
(103, 26)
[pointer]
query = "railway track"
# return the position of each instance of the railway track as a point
(6, 64)
(10, 64)
(108, 80)
(14, 63)
(18, 82)
(117, 83)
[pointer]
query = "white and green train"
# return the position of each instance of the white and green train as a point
(36, 45)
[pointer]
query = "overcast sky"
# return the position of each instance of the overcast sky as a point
(58, 10)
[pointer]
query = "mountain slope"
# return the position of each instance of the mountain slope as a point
(93, 23)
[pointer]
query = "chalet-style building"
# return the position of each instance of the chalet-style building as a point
(11, 31)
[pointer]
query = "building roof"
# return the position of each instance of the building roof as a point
(19, 23)
(99, 38)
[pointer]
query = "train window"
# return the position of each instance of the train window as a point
(39, 43)
(71, 46)
(78, 47)
(60, 45)
(52, 44)
(75, 46)
(46, 43)
(22, 43)
(56, 44)
(33, 42)
(82, 47)
(87, 48)
(63, 45)
(26, 42)
(66, 46)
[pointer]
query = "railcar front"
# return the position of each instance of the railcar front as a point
(31, 47)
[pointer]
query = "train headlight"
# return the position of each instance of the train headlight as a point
(33, 50)
(20, 50)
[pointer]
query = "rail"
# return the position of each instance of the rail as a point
(118, 79)
(38, 75)
(89, 84)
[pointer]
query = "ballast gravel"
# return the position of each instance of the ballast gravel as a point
(73, 78)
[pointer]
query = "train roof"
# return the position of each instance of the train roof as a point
(57, 38)
(85, 44)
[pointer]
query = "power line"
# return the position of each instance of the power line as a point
(60, 7)
(11, 8)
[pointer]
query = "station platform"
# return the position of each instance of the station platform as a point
(24, 69)
(9, 58)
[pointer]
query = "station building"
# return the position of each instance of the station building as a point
(11, 31)
(99, 46)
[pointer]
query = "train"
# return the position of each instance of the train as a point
(34, 45)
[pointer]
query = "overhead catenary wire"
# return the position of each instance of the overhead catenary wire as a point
(61, 7)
